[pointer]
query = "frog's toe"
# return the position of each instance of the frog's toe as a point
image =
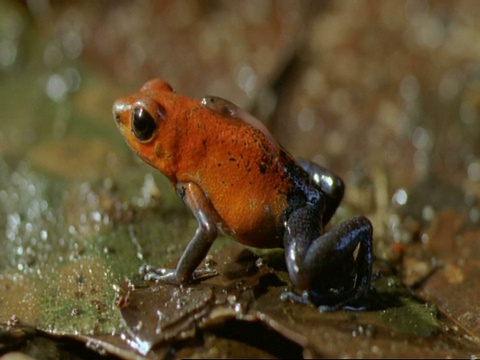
(170, 276)
(145, 268)
(289, 295)
(158, 274)
(204, 274)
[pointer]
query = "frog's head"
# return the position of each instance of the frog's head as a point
(142, 118)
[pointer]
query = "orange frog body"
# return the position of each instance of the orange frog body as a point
(235, 177)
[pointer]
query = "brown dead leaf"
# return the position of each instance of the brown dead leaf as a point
(161, 313)
(453, 252)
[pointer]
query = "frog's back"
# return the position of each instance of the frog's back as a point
(246, 177)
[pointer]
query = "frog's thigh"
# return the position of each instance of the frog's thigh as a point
(333, 251)
(330, 184)
(312, 257)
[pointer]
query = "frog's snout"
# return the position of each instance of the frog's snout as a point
(119, 108)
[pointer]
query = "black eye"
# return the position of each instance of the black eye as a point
(143, 125)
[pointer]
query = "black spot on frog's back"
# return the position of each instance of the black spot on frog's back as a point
(262, 167)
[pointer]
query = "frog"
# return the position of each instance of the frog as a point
(236, 178)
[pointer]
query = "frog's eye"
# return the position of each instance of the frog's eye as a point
(143, 124)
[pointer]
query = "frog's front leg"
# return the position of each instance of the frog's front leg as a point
(198, 247)
(323, 265)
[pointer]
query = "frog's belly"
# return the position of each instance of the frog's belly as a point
(261, 238)
(253, 222)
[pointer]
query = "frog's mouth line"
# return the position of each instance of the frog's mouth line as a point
(123, 129)
(120, 125)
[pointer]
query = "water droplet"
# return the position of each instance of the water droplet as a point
(421, 139)
(474, 215)
(306, 119)
(8, 52)
(231, 299)
(428, 213)
(56, 88)
(247, 79)
(238, 308)
(473, 170)
(400, 197)
(73, 44)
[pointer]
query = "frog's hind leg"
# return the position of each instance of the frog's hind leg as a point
(330, 184)
(324, 265)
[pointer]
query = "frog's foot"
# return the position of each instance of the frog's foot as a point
(204, 274)
(348, 300)
(170, 276)
(289, 295)
(327, 302)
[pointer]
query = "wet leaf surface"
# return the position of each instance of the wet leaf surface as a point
(186, 308)
(157, 325)
(385, 93)
(451, 260)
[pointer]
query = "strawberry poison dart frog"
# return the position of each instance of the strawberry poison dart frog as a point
(234, 176)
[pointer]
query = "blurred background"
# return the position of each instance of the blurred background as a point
(391, 85)
(384, 93)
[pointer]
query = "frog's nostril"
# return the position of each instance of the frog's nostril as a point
(118, 108)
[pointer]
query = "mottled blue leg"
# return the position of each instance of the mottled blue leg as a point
(324, 264)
